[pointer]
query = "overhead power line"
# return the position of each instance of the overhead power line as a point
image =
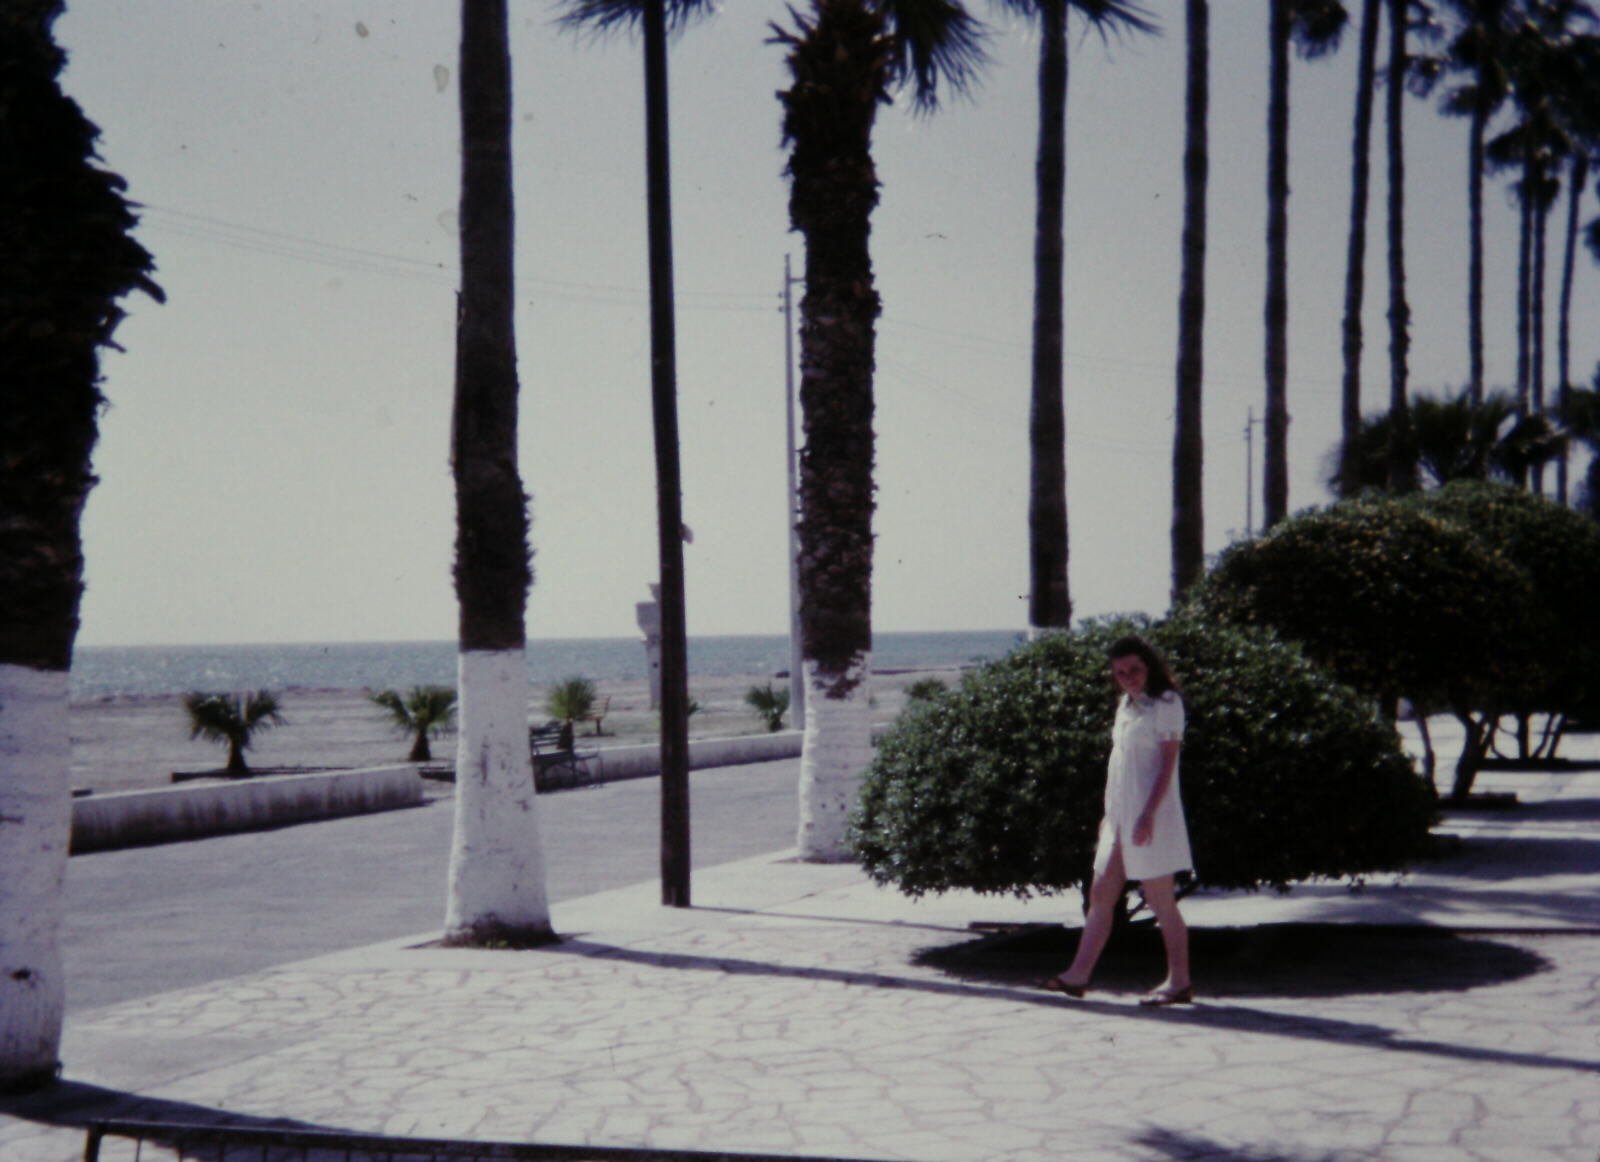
(280, 244)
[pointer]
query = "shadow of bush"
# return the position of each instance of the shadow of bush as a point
(1267, 960)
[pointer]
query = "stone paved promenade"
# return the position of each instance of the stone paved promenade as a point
(798, 1009)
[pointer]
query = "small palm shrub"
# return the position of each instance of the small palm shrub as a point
(569, 701)
(233, 720)
(425, 712)
(769, 703)
(998, 786)
(927, 689)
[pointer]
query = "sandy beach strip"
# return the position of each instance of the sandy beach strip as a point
(135, 742)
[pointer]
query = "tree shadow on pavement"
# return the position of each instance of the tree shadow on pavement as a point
(1187, 1147)
(74, 1105)
(1267, 960)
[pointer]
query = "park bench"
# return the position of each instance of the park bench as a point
(555, 765)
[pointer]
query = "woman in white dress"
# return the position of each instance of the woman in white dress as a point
(1143, 836)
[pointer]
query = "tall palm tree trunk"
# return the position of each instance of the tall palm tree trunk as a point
(1275, 496)
(69, 258)
(1488, 91)
(675, 850)
(1356, 254)
(1476, 253)
(1188, 447)
(1401, 478)
(1524, 292)
(1049, 598)
(1536, 321)
(838, 71)
(496, 880)
(1475, 168)
(1579, 182)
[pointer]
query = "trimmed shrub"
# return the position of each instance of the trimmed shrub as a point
(1475, 596)
(1558, 670)
(998, 786)
(1389, 598)
(1559, 551)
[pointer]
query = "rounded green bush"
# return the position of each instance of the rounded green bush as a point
(998, 786)
(1558, 550)
(1388, 597)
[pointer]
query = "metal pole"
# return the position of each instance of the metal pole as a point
(797, 681)
(675, 851)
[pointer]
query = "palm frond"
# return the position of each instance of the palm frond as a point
(432, 708)
(391, 701)
(934, 41)
(1104, 16)
(1317, 26)
(231, 719)
(572, 699)
(603, 18)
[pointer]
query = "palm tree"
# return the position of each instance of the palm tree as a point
(769, 703)
(846, 57)
(65, 232)
(1539, 52)
(1399, 309)
(1356, 255)
(234, 720)
(1578, 105)
(496, 883)
(1188, 514)
(1049, 598)
(1313, 28)
(569, 701)
(425, 712)
(1477, 52)
(1456, 439)
(657, 18)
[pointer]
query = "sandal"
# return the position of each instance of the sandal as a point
(1162, 997)
(1054, 984)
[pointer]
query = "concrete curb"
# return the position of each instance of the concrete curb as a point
(131, 818)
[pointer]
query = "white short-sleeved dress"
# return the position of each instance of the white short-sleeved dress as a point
(1142, 724)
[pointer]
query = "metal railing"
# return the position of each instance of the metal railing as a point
(142, 1141)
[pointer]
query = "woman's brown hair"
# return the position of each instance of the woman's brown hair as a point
(1159, 677)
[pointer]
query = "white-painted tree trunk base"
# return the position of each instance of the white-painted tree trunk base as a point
(497, 874)
(35, 827)
(836, 751)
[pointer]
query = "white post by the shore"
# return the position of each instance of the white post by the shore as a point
(648, 615)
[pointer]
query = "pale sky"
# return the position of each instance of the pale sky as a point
(274, 460)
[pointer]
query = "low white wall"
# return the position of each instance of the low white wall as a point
(632, 762)
(129, 818)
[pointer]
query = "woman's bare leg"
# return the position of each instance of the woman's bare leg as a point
(1103, 896)
(1162, 898)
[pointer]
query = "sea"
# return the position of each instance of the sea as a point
(109, 671)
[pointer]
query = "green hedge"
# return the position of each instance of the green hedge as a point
(1387, 596)
(1558, 551)
(998, 786)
